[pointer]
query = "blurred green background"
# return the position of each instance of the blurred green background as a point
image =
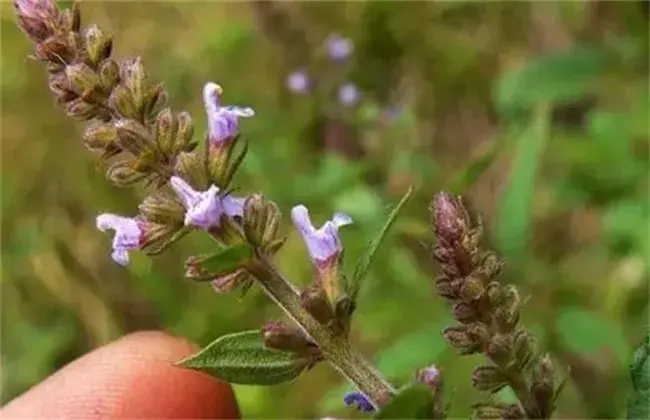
(536, 112)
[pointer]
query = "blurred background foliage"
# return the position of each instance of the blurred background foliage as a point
(536, 112)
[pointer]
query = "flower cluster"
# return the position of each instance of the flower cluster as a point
(488, 316)
(338, 49)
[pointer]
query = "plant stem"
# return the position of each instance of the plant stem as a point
(336, 350)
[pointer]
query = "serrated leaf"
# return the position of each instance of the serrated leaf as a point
(363, 265)
(227, 260)
(242, 358)
(516, 205)
(415, 402)
(638, 406)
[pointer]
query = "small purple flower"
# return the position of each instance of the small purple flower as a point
(428, 376)
(36, 17)
(349, 95)
(205, 208)
(359, 401)
(339, 48)
(324, 243)
(128, 235)
(298, 82)
(223, 122)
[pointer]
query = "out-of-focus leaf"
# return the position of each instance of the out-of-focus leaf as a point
(415, 402)
(468, 174)
(516, 204)
(585, 332)
(363, 265)
(638, 406)
(242, 358)
(555, 77)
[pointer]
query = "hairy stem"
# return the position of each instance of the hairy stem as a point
(337, 350)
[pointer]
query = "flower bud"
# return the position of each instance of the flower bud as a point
(495, 411)
(227, 283)
(99, 136)
(81, 110)
(122, 101)
(505, 319)
(122, 174)
(494, 294)
(82, 78)
(184, 132)
(59, 85)
(98, 44)
(448, 288)
(155, 100)
(162, 208)
(134, 77)
(55, 50)
(492, 265)
(525, 348)
(471, 289)
(166, 131)
(511, 300)
(429, 376)
(448, 218)
(499, 349)
(488, 378)
(465, 312)
(109, 75)
(317, 304)
(459, 338)
(190, 167)
(134, 137)
(261, 220)
(279, 336)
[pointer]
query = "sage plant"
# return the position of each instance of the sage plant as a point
(139, 139)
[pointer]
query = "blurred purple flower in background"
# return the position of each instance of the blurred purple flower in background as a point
(298, 82)
(358, 401)
(349, 94)
(339, 48)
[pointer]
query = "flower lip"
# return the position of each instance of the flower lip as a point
(128, 235)
(205, 208)
(222, 120)
(323, 243)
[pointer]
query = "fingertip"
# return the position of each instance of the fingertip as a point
(133, 377)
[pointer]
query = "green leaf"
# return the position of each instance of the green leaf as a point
(516, 204)
(227, 260)
(363, 265)
(467, 175)
(559, 76)
(242, 358)
(637, 402)
(586, 333)
(415, 402)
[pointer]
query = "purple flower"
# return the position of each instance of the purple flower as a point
(428, 376)
(128, 235)
(205, 208)
(222, 120)
(323, 244)
(298, 82)
(349, 94)
(339, 48)
(359, 401)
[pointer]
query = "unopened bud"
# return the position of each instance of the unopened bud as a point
(122, 174)
(162, 208)
(499, 349)
(227, 283)
(279, 336)
(155, 100)
(55, 50)
(58, 84)
(429, 376)
(99, 136)
(184, 132)
(81, 110)
(465, 312)
(494, 294)
(505, 319)
(98, 44)
(133, 136)
(190, 167)
(525, 348)
(261, 220)
(448, 218)
(166, 131)
(488, 378)
(492, 265)
(460, 339)
(495, 411)
(134, 77)
(122, 101)
(447, 288)
(471, 289)
(109, 74)
(82, 78)
(316, 303)
(156, 235)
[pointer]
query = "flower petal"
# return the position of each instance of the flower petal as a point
(188, 195)
(233, 206)
(301, 219)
